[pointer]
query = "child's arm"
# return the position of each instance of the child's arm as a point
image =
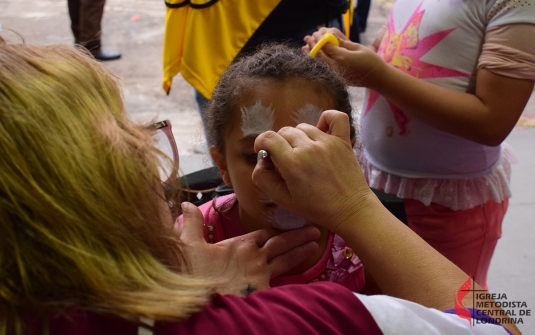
(485, 117)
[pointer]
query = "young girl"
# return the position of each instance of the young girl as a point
(273, 88)
(448, 83)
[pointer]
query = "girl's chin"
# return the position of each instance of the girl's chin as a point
(284, 220)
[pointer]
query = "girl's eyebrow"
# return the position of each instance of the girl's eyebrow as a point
(309, 113)
(256, 119)
(249, 137)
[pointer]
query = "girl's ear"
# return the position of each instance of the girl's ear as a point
(221, 164)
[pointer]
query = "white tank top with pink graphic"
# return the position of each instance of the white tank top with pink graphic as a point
(440, 42)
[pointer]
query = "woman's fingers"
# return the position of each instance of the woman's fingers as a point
(286, 241)
(335, 123)
(177, 228)
(272, 141)
(270, 181)
(294, 136)
(284, 262)
(282, 251)
(265, 174)
(260, 237)
(192, 231)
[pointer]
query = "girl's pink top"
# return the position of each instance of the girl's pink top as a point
(338, 264)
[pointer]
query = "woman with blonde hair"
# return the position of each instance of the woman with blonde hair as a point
(63, 138)
(80, 207)
(86, 238)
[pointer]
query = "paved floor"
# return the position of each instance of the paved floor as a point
(135, 27)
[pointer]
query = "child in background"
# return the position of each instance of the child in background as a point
(448, 83)
(273, 88)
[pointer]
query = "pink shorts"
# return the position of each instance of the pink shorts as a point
(466, 237)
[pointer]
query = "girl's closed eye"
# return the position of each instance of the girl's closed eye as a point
(250, 156)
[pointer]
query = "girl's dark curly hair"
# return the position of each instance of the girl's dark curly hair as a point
(275, 62)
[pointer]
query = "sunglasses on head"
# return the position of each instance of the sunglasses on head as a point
(165, 142)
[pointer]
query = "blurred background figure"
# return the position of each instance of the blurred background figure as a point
(86, 18)
(203, 38)
(363, 9)
(360, 19)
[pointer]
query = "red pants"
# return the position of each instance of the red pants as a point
(86, 17)
(466, 237)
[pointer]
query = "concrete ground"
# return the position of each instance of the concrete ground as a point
(135, 27)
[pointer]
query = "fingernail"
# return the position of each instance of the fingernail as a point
(184, 206)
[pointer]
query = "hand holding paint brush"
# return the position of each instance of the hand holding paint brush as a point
(300, 162)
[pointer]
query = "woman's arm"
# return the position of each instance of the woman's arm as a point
(305, 160)
(486, 117)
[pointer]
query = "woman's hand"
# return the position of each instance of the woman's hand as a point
(316, 175)
(312, 173)
(362, 66)
(245, 263)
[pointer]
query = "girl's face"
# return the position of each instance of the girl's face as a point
(267, 105)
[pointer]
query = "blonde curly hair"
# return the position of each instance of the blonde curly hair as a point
(80, 209)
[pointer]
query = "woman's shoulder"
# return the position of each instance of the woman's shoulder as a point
(77, 321)
(320, 308)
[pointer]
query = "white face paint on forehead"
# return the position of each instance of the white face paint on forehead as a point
(308, 114)
(259, 118)
(256, 119)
